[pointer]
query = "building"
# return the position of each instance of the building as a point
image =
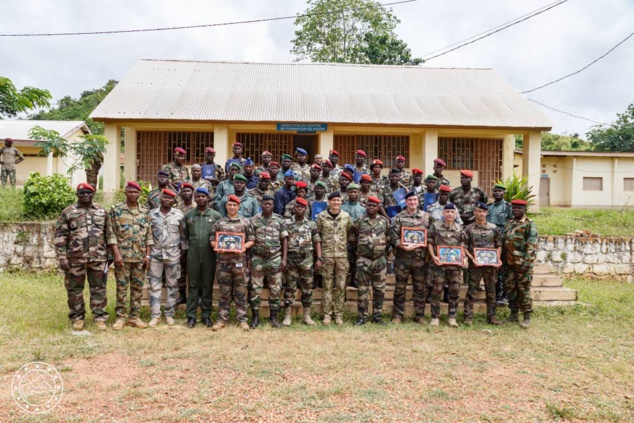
(19, 130)
(466, 116)
(584, 179)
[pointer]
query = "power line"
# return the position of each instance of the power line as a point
(488, 33)
(566, 113)
(177, 28)
(582, 69)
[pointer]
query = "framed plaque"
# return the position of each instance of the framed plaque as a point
(450, 255)
(486, 256)
(229, 242)
(414, 236)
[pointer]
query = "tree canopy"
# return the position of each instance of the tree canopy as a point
(14, 101)
(350, 31)
(618, 136)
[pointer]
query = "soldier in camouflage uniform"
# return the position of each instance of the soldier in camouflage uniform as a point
(249, 206)
(165, 256)
(185, 205)
(301, 169)
(233, 271)
(8, 162)
(262, 189)
(303, 244)
(499, 213)
(445, 233)
(154, 197)
(411, 260)
(198, 181)
(520, 250)
(177, 170)
(378, 181)
(315, 173)
(274, 171)
(406, 175)
(370, 235)
(417, 183)
(319, 193)
(355, 209)
(287, 164)
(301, 191)
(266, 161)
(345, 179)
(439, 165)
(218, 173)
(226, 187)
(331, 181)
(465, 197)
(130, 239)
(238, 150)
(360, 166)
(80, 244)
(268, 254)
(481, 234)
(334, 160)
(201, 259)
(436, 209)
(334, 226)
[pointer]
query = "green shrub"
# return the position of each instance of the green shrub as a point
(46, 196)
(518, 189)
(12, 208)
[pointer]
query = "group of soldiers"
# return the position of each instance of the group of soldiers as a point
(288, 226)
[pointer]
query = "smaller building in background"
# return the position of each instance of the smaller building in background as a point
(19, 130)
(584, 179)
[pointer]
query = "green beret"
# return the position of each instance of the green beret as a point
(287, 156)
(432, 177)
(240, 178)
(499, 186)
(353, 186)
(321, 184)
(235, 164)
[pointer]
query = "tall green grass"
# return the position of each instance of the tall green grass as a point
(618, 223)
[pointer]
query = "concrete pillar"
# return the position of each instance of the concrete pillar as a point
(573, 183)
(326, 142)
(508, 156)
(416, 143)
(430, 149)
(129, 165)
(111, 167)
(49, 165)
(531, 165)
(221, 144)
(615, 173)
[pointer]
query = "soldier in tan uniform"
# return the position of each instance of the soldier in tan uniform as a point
(11, 156)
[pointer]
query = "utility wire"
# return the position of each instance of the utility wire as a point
(566, 113)
(488, 33)
(176, 28)
(582, 69)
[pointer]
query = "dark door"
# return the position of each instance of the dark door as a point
(307, 142)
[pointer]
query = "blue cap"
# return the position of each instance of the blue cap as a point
(481, 205)
(289, 174)
(449, 206)
(202, 190)
(248, 162)
(163, 173)
(301, 151)
(348, 167)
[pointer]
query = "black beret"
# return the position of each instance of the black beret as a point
(334, 194)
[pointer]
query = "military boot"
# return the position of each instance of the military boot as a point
(136, 323)
(118, 324)
(101, 324)
(525, 324)
(182, 297)
(255, 318)
(78, 324)
(273, 319)
(307, 320)
(287, 316)
(513, 318)
(361, 320)
(451, 321)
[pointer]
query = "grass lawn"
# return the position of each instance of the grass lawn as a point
(573, 364)
(618, 223)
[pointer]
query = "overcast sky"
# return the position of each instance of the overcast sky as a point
(529, 54)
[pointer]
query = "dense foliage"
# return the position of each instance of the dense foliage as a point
(14, 101)
(46, 196)
(517, 188)
(618, 136)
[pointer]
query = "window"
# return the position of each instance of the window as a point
(592, 184)
(628, 184)
(255, 143)
(382, 147)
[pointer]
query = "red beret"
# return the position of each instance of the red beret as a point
(400, 158)
(334, 152)
(361, 153)
(301, 184)
(210, 150)
(444, 188)
(467, 173)
(85, 185)
(265, 175)
(169, 192)
(440, 162)
(377, 162)
(233, 198)
(237, 144)
(329, 162)
(417, 171)
(315, 166)
(346, 175)
(267, 153)
(366, 177)
(186, 185)
(180, 150)
(301, 201)
(519, 202)
(373, 199)
(133, 184)
(274, 164)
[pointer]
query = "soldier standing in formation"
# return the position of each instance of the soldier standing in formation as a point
(226, 187)
(252, 179)
(499, 213)
(334, 159)
(154, 197)
(439, 165)
(332, 182)
(178, 172)
(301, 169)
(266, 160)
(198, 180)
(249, 206)
(360, 166)
(214, 173)
(405, 175)
(11, 156)
(80, 244)
(465, 197)
(285, 194)
(237, 158)
(263, 188)
(184, 205)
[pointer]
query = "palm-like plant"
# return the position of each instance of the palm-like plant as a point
(518, 189)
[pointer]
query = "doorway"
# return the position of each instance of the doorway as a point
(308, 143)
(544, 192)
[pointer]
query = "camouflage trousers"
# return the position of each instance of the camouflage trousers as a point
(334, 272)
(233, 278)
(182, 280)
(404, 267)
(299, 271)
(371, 273)
(74, 282)
(517, 286)
(132, 275)
(450, 276)
(172, 273)
(7, 173)
(270, 268)
(490, 275)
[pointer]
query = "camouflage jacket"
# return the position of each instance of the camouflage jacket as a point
(184, 207)
(520, 242)
(363, 197)
(436, 212)
(259, 170)
(167, 235)
(198, 227)
(9, 155)
(154, 199)
(80, 234)
(257, 193)
(355, 210)
(442, 181)
(224, 188)
(302, 173)
(130, 230)
(289, 210)
(303, 235)
(378, 184)
(334, 233)
(269, 233)
(331, 182)
(440, 234)
(499, 214)
(465, 201)
(388, 196)
(406, 177)
(487, 236)
(178, 173)
(276, 185)
(249, 206)
(363, 169)
(404, 219)
(205, 184)
(336, 172)
(370, 236)
(238, 225)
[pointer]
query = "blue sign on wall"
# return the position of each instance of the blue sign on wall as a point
(303, 127)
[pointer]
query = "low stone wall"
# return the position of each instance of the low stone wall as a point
(27, 246)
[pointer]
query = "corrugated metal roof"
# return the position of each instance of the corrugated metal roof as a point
(19, 129)
(330, 93)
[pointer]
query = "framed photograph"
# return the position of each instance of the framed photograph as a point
(229, 242)
(414, 236)
(450, 255)
(486, 256)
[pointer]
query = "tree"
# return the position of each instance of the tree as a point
(13, 101)
(618, 137)
(69, 108)
(87, 154)
(349, 31)
(564, 142)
